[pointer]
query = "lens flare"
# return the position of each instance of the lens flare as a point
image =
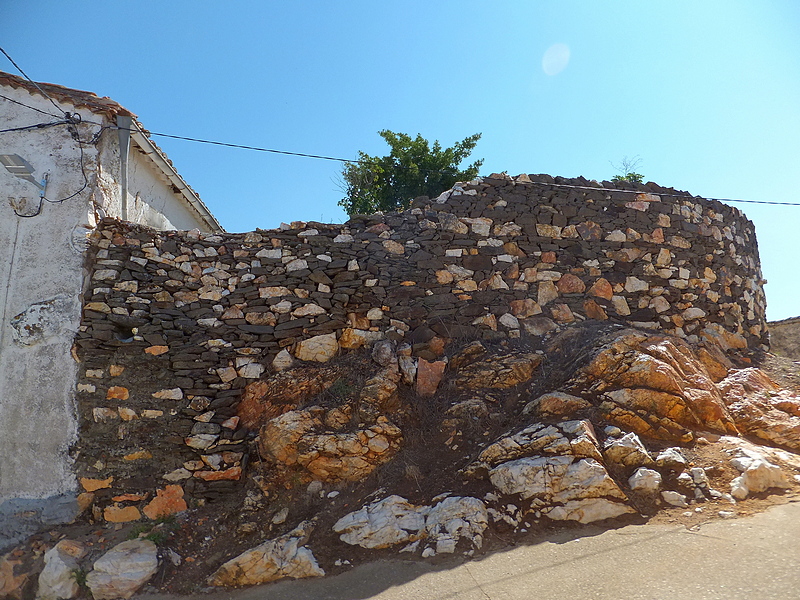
(555, 59)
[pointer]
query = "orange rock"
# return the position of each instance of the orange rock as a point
(429, 375)
(168, 501)
(91, 485)
(436, 345)
(601, 289)
(13, 578)
(116, 392)
(594, 310)
(119, 514)
(156, 350)
(129, 498)
(138, 455)
(269, 398)
(557, 404)
(115, 370)
(234, 473)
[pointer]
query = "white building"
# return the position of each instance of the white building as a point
(97, 161)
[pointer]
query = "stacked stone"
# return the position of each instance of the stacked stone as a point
(177, 323)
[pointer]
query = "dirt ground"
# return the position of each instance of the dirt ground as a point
(195, 543)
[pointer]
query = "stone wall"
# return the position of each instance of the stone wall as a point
(176, 324)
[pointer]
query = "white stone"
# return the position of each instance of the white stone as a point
(384, 523)
(57, 579)
(588, 510)
(554, 479)
(282, 361)
(456, 517)
(251, 371)
(509, 321)
(343, 238)
(320, 348)
(671, 458)
(627, 451)
(170, 394)
(634, 284)
(308, 310)
(758, 475)
(285, 556)
(645, 480)
(693, 313)
(269, 253)
(374, 314)
(674, 498)
(298, 264)
(121, 571)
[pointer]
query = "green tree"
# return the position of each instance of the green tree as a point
(627, 168)
(412, 168)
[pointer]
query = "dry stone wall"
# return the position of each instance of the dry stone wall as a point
(176, 324)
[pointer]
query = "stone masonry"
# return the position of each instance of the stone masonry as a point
(176, 324)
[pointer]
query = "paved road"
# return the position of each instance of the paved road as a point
(755, 558)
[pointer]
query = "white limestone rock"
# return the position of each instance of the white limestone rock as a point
(555, 479)
(454, 518)
(320, 348)
(279, 558)
(588, 510)
(757, 475)
(393, 520)
(671, 458)
(645, 480)
(57, 579)
(627, 451)
(674, 498)
(121, 571)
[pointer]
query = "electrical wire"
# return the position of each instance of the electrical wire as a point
(25, 75)
(44, 112)
(70, 119)
(37, 126)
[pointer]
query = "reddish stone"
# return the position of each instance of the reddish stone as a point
(658, 236)
(570, 284)
(234, 473)
(549, 257)
(594, 310)
(168, 501)
(429, 375)
(602, 289)
(156, 350)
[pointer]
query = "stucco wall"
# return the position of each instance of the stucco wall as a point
(151, 200)
(41, 278)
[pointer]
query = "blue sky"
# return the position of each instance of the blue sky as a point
(706, 93)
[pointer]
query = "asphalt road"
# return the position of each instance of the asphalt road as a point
(751, 558)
